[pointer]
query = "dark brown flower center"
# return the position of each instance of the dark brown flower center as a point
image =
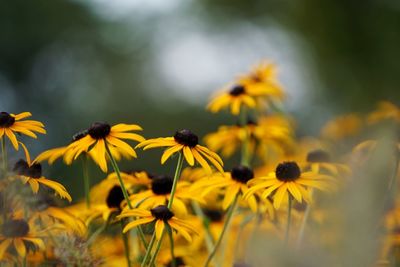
(318, 156)
(15, 228)
(6, 120)
(79, 135)
(115, 197)
(186, 137)
(242, 174)
(178, 263)
(237, 90)
(162, 213)
(287, 171)
(99, 130)
(161, 185)
(214, 215)
(21, 167)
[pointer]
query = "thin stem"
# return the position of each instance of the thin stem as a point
(4, 154)
(289, 218)
(126, 244)
(245, 144)
(171, 240)
(176, 179)
(158, 247)
(117, 171)
(148, 251)
(225, 227)
(304, 223)
(86, 180)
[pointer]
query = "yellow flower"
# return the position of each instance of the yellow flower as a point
(32, 174)
(100, 135)
(249, 90)
(342, 127)
(319, 161)
(18, 233)
(288, 180)
(11, 124)
(233, 183)
(162, 216)
(160, 194)
(385, 111)
(187, 142)
(135, 180)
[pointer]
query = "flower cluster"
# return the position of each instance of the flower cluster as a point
(273, 184)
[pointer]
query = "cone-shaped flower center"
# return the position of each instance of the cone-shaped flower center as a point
(186, 137)
(237, 90)
(161, 185)
(213, 215)
(287, 171)
(15, 228)
(178, 262)
(242, 174)
(6, 120)
(99, 130)
(318, 156)
(21, 167)
(79, 135)
(162, 213)
(115, 197)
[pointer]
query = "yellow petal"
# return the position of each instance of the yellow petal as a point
(188, 155)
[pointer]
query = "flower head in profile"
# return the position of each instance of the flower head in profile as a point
(234, 184)
(319, 161)
(248, 91)
(385, 111)
(288, 180)
(11, 124)
(95, 141)
(18, 233)
(188, 143)
(163, 217)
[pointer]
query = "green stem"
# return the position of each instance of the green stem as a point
(304, 223)
(225, 227)
(245, 145)
(176, 179)
(158, 247)
(289, 218)
(171, 239)
(149, 248)
(117, 171)
(4, 154)
(126, 244)
(86, 180)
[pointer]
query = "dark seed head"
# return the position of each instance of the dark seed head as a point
(162, 213)
(79, 135)
(287, 171)
(178, 262)
(237, 90)
(21, 167)
(99, 130)
(115, 197)
(15, 228)
(213, 215)
(242, 174)
(161, 185)
(318, 156)
(6, 120)
(186, 138)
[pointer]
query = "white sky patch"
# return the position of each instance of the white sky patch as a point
(194, 63)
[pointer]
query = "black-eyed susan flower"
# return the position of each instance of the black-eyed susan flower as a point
(17, 233)
(319, 161)
(161, 215)
(32, 174)
(248, 91)
(160, 194)
(234, 183)
(385, 111)
(188, 143)
(135, 180)
(11, 124)
(94, 142)
(288, 180)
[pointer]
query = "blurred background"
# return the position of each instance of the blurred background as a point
(155, 62)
